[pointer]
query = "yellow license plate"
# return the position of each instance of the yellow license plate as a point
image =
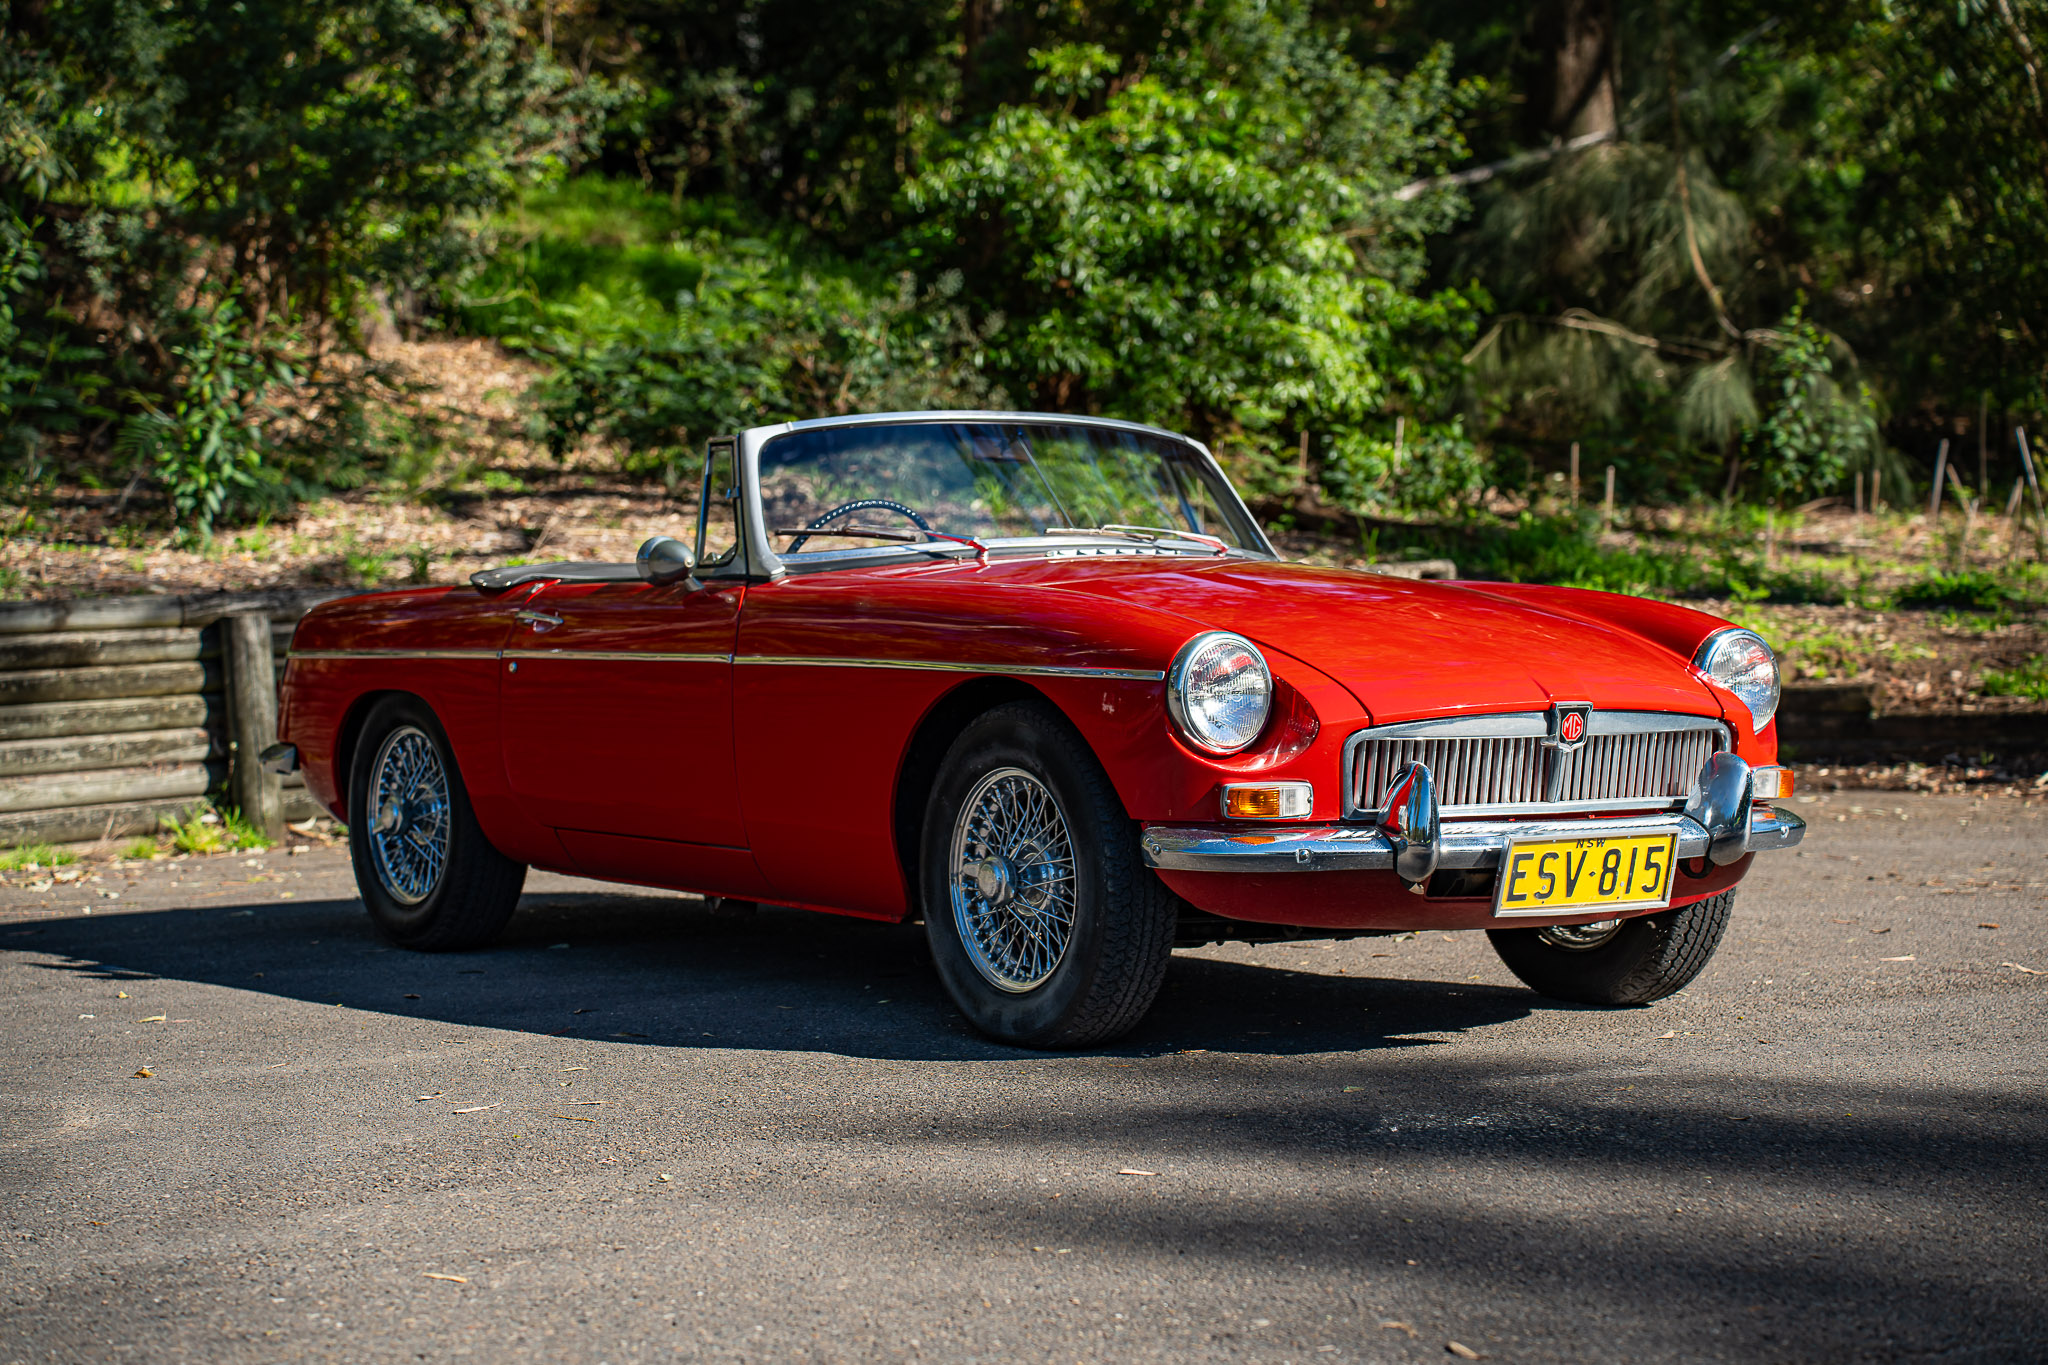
(1612, 872)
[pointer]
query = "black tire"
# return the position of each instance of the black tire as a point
(1646, 959)
(467, 902)
(1114, 955)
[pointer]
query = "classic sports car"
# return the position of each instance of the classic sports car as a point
(1042, 682)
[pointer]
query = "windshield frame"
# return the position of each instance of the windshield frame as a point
(764, 562)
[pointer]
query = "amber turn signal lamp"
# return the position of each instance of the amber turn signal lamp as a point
(1268, 801)
(1770, 784)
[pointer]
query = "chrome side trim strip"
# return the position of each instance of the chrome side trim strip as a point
(618, 656)
(788, 660)
(392, 654)
(1461, 844)
(621, 656)
(946, 666)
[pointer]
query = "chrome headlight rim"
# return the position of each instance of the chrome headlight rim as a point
(1176, 691)
(1703, 661)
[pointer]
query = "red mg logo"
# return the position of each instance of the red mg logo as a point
(1572, 727)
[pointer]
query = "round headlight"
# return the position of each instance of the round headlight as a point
(1740, 661)
(1219, 691)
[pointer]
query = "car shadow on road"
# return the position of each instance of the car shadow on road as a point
(661, 970)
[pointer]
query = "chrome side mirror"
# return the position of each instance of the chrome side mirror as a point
(664, 559)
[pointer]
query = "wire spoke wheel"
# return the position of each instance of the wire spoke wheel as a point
(1580, 938)
(1012, 878)
(410, 824)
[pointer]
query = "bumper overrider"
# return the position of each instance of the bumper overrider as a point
(1721, 822)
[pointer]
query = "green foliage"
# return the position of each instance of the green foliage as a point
(1813, 431)
(208, 828)
(34, 857)
(217, 185)
(207, 445)
(1568, 552)
(139, 850)
(47, 380)
(1213, 250)
(367, 567)
(763, 331)
(2029, 680)
(237, 832)
(199, 831)
(1972, 590)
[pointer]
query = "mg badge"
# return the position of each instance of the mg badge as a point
(1569, 722)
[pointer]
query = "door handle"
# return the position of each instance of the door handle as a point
(541, 621)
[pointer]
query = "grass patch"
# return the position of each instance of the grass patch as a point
(1971, 590)
(209, 829)
(30, 857)
(594, 253)
(139, 850)
(2029, 680)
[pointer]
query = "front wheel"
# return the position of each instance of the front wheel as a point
(431, 880)
(1629, 962)
(1045, 928)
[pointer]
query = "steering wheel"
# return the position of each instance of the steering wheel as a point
(857, 505)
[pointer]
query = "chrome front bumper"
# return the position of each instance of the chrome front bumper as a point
(1459, 844)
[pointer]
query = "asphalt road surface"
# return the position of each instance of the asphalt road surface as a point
(637, 1132)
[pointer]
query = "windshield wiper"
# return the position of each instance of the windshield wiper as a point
(922, 539)
(1148, 534)
(867, 532)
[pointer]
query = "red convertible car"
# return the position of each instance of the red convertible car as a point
(1043, 683)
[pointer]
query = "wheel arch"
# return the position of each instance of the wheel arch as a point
(940, 726)
(350, 734)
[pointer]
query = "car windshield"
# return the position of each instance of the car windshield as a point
(838, 487)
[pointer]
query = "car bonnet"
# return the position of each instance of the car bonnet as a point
(1407, 649)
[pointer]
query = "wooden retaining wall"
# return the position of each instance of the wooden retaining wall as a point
(116, 712)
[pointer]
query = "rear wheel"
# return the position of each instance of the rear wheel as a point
(1625, 962)
(430, 879)
(1045, 928)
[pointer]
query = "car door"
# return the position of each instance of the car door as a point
(617, 707)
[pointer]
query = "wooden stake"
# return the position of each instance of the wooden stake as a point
(1876, 475)
(1400, 438)
(1304, 457)
(2012, 504)
(2027, 464)
(252, 720)
(1962, 494)
(1607, 508)
(1859, 492)
(1969, 506)
(1940, 464)
(1575, 476)
(1984, 447)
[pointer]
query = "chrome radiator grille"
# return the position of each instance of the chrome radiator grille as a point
(1503, 765)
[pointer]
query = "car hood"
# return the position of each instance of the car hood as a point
(1407, 649)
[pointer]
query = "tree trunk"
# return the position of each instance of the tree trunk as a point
(1578, 37)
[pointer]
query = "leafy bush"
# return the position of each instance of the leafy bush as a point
(1814, 429)
(47, 379)
(207, 445)
(1211, 247)
(219, 177)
